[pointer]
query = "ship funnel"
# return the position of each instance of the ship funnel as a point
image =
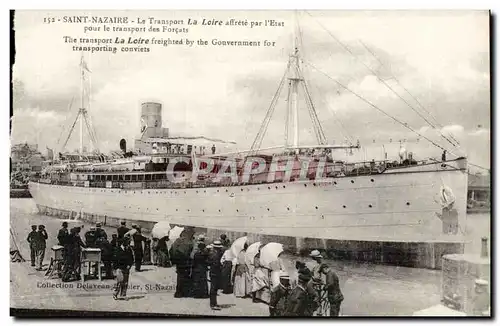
(123, 145)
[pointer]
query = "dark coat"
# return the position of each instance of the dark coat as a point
(214, 258)
(297, 302)
(278, 301)
(100, 234)
(199, 274)
(138, 240)
(90, 239)
(62, 236)
(32, 237)
(121, 231)
(180, 252)
(123, 258)
(40, 240)
(333, 288)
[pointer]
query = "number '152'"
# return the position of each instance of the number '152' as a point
(48, 20)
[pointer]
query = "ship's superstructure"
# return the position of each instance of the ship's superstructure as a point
(292, 190)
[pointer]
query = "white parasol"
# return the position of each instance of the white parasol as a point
(130, 233)
(160, 230)
(175, 233)
(237, 246)
(252, 250)
(269, 255)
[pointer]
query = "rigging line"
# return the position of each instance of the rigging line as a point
(269, 112)
(320, 128)
(407, 91)
(67, 118)
(336, 118)
(478, 166)
(315, 127)
(378, 77)
(376, 107)
(90, 131)
(71, 130)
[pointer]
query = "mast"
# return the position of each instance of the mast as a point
(82, 103)
(294, 83)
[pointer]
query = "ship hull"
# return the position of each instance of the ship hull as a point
(397, 205)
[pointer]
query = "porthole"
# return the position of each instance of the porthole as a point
(268, 209)
(288, 208)
(408, 203)
(314, 184)
(226, 190)
(205, 191)
(188, 210)
(305, 185)
(217, 190)
(283, 187)
(269, 188)
(316, 207)
(344, 206)
(176, 209)
(334, 182)
(276, 187)
(237, 210)
(219, 210)
(352, 181)
(372, 180)
(370, 206)
(196, 191)
(241, 189)
(203, 210)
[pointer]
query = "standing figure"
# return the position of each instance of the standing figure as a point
(123, 259)
(114, 240)
(72, 249)
(122, 229)
(242, 286)
(199, 272)
(107, 252)
(40, 245)
(226, 273)
(63, 234)
(213, 149)
(279, 296)
(180, 254)
(298, 300)
(260, 281)
(214, 259)
(146, 260)
(226, 243)
(317, 260)
(32, 238)
(163, 257)
(332, 287)
(138, 248)
(154, 249)
(100, 233)
(90, 237)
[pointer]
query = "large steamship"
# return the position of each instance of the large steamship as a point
(321, 197)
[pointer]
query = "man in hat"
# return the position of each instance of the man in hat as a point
(123, 261)
(332, 288)
(214, 263)
(32, 238)
(279, 296)
(122, 229)
(90, 237)
(297, 305)
(63, 233)
(100, 233)
(318, 259)
(226, 243)
(200, 239)
(40, 246)
(138, 248)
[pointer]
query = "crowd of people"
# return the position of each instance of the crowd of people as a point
(202, 269)
(232, 273)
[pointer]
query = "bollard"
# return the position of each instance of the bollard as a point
(484, 247)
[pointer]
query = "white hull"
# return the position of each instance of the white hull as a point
(398, 205)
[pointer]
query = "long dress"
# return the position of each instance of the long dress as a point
(163, 257)
(199, 275)
(242, 286)
(226, 277)
(260, 282)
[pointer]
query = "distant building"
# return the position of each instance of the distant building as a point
(26, 157)
(479, 192)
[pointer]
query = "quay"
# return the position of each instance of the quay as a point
(369, 289)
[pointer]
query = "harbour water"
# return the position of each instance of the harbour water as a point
(368, 289)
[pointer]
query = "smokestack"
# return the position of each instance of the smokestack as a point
(484, 247)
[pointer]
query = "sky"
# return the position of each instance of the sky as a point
(440, 57)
